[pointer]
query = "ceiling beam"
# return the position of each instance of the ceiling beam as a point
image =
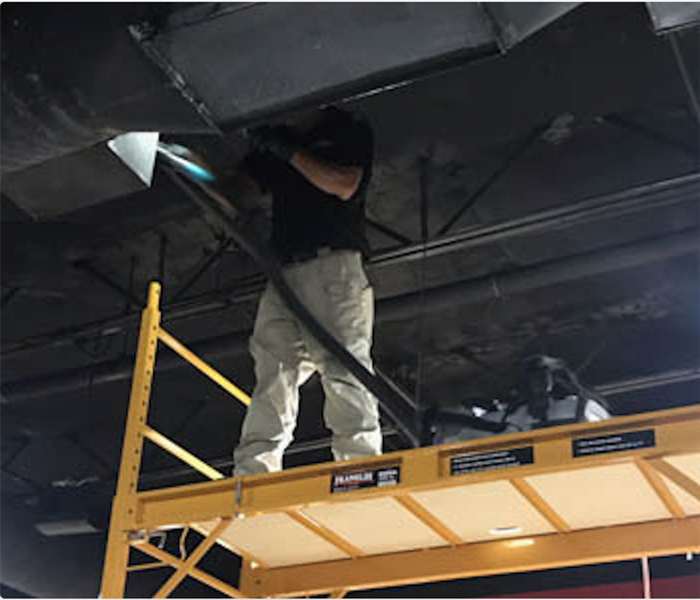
(399, 308)
(665, 192)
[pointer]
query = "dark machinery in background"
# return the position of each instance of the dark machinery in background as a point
(548, 394)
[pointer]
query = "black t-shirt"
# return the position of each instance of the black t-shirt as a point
(304, 217)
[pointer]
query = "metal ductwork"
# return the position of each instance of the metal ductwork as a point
(75, 81)
(541, 275)
(299, 55)
(176, 70)
(672, 16)
(123, 165)
(405, 307)
(515, 21)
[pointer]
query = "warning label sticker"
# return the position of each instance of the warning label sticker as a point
(356, 480)
(618, 442)
(486, 461)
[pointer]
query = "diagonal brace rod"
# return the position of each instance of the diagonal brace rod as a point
(198, 574)
(202, 268)
(186, 567)
(486, 185)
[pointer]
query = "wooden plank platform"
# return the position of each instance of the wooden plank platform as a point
(580, 494)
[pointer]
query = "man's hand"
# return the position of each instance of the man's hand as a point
(339, 180)
(277, 140)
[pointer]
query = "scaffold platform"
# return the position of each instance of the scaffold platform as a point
(581, 494)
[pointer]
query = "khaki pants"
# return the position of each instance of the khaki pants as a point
(335, 290)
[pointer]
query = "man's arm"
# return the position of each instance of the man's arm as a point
(338, 180)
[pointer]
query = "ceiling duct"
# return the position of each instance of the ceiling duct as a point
(515, 21)
(72, 78)
(185, 73)
(307, 54)
(671, 16)
(122, 166)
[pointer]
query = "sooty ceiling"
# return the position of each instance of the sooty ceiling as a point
(538, 199)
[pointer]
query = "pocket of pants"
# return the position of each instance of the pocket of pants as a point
(350, 312)
(344, 276)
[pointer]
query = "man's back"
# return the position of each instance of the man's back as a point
(306, 218)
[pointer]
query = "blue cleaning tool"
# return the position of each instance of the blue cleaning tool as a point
(186, 161)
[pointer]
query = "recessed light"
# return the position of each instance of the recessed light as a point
(512, 530)
(520, 543)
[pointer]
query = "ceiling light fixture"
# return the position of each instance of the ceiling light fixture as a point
(512, 530)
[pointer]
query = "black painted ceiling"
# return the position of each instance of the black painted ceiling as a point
(608, 93)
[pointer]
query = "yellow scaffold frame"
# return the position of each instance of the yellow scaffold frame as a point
(212, 507)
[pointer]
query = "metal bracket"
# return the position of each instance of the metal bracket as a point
(237, 500)
(137, 535)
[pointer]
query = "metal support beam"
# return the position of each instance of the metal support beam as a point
(653, 195)
(693, 99)
(407, 306)
(499, 285)
(204, 265)
(649, 381)
(424, 166)
(87, 267)
(132, 282)
(611, 544)
(495, 176)
(187, 566)
(687, 150)
(8, 296)
(205, 578)
(387, 231)
(162, 255)
(123, 507)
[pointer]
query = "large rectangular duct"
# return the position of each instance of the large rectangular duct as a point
(670, 16)
(514, 21)
(80, 85)
(84, 178)
(262, 59)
